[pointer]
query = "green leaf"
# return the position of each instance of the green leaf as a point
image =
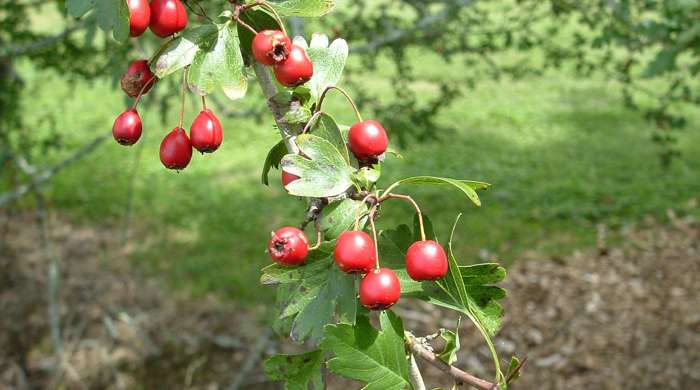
(367, 176)
(219, 64)
(112, 15)
(319, 293)
(297, 114)
(511, 373)
(326, 128)
(274, 156)
(449, 353)
(468, 187)
(304, 8)
(363, 353)
(340, 216)
(664, 61)
(322, 170)
(297, 371)
(329, 62)
(181, 51)
(78, 8)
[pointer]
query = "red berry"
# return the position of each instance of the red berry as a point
(380, 289)
(355, 252)
(127, 127)
(176, 149)
(271, 46)
(206, 133)
(288, 178)
(426, 260)
(136, 77)
(367, 139)
(167, 17)
(288, 246)
(296, 69)
(139, 16)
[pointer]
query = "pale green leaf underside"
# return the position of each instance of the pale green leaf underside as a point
(181, 51)
(322, 170)
(329, 62)
(219, 64)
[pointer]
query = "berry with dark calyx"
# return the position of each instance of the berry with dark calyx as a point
(380, 289)
(288, 246)
(367, 139)
(176, 149)
(136, 77)
(288, 178)
(139, 16)
(426, 260)
(127, 127)
(296, 69)
(355, 252)
(271, 46)
(206, 133)
(167, 17)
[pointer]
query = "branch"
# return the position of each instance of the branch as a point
(270, 90)
(427, 22)
(416, 377)
(459, 375)
(41, 178)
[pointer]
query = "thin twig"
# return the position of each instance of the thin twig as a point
(456, 373)
(41, 178)
(414, 372)
(415, 205)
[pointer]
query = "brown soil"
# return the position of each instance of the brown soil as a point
(626, 317)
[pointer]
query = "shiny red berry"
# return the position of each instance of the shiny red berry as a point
(139, 16)
(288, 246)
(367, 139)
(426, 260)
(127, 127)
(138, 76)
(206, 133)
(176, 149)
(271, 46)
(380, 289)
(296, 69)
(355, 252)
(288, 178)
(167, 17)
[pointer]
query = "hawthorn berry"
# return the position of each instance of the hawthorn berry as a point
(426, 260)
(296, 69)
(271, 46)
(288, 178)
(176, 149)
(367, 139)
(167, 17)
(355, 252)
(288, 246)
(206, 133)
(127, 127)
(138, 76)
(139, 16)
(380, 289)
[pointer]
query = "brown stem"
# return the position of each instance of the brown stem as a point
(372, 214)
(319, 239)
(347, 96)
(182, 104)
(270, 8)
(138, 97)
(310, 123)
(415, 205)
(204, 103)
(358, 214)
(461, 376)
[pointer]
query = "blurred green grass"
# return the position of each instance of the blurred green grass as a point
(562, 155)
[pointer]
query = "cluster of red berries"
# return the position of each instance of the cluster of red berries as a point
(165, 18)
(355, 253)
(291, 65)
